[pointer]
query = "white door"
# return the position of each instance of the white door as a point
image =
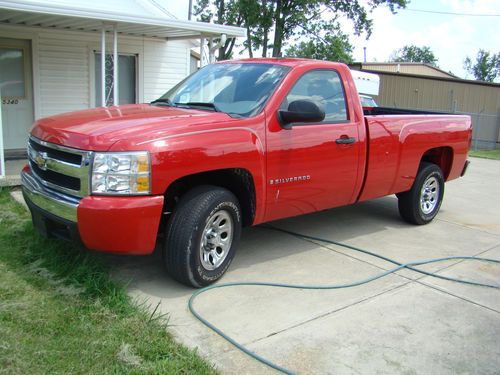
(16, 92)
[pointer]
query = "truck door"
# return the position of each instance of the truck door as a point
(313, 166)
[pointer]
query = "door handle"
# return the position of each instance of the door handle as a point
(344, 140)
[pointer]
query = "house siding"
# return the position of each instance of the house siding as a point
(165, 64)
(63, 65)
(64, 74)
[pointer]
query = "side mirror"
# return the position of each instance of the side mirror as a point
(300, 111)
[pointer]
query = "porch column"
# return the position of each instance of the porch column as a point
(103, 66)
(202, 45)
(115, 66)
(2, 160)
(211, 56)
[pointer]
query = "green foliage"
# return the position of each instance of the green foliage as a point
(60, 313)
(412, 53)
(331, 47)
(288, 19)
(258, 22)
(486, 154)
(485, 68)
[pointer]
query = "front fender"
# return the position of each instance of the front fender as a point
(180, 155)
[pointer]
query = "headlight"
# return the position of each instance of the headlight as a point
(126, 173)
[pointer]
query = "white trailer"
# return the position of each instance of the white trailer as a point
(366, 83)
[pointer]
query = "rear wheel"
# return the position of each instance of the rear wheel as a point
(202, 235)
(421, 203)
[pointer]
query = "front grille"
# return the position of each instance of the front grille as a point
(60, 168)
(56, 178)
(56, 154)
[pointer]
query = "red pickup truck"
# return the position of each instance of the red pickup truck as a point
(238, 143)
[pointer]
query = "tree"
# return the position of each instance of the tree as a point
(306, 15)
(412, 53)
(331, 47)
(222, 12)
(287, 19)
(255, 16)
(486, 68)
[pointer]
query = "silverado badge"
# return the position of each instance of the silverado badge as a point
(285, 180)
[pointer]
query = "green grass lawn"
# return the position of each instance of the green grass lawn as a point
(61, 313)
(487, 154)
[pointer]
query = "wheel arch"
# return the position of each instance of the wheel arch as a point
(239, 181)
(441, 156)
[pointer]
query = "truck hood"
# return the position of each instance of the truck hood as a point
(98, 129)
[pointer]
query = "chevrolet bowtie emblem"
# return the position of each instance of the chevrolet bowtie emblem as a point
(41, 160)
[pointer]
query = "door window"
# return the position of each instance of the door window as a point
(323, 87)
(127, 89)
(12, 84)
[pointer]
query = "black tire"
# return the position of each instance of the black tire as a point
(182, 251)
(410, 204)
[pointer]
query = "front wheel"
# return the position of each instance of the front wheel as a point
(421, 203)
(202, 235)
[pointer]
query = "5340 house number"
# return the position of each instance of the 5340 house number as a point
(10, 101)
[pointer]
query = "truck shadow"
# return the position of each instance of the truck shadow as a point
(260, 245)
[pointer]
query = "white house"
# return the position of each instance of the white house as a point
(51, 57)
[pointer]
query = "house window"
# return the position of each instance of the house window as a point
(12, 84)
(127, 79)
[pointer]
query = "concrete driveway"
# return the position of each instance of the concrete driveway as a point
(404, 323)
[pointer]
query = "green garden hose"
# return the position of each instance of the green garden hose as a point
(399, 266)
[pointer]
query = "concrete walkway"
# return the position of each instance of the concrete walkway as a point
(404, 323)
(13, 172)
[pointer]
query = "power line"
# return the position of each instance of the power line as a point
(451, 13)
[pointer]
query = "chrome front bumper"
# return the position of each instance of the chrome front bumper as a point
(54, 202)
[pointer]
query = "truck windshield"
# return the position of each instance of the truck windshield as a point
(240, 90)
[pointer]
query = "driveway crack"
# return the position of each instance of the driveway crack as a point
(327, 313)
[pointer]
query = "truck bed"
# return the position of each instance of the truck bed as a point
(398, 139)
(377, 111)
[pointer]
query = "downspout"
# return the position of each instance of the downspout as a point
(213, 48)
(202, 47)
(103, 66)
(115, 66)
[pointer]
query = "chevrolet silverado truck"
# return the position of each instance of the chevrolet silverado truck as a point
(236, 144)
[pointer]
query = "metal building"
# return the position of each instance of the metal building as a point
(428, 88)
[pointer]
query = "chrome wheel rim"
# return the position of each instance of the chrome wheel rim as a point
(429, 195)
(216, 240)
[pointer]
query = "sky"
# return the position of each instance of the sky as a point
(451, 37)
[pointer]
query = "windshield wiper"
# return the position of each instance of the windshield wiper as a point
(200, 104)
(165, 101)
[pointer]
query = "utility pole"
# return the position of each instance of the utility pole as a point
(190, 11)
(364, 53)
